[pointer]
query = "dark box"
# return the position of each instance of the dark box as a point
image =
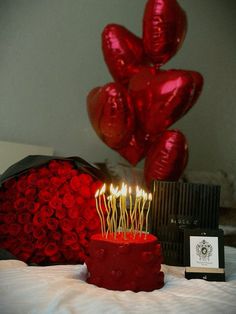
(177, 206)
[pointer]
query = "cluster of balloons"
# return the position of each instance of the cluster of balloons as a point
(132, 114)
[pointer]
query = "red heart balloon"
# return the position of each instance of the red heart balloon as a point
(161, 98)
(198, 82)
(164, 29)
(123, 52)
(134, 151)
(111, 114)
(167, 157)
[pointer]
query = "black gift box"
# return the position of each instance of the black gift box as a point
(177, 206)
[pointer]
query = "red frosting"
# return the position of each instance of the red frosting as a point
(125, 264)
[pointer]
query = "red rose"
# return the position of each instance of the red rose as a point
(83, 241)
(63, 172)
(39, 233)
(24, 218)
(85, 179)
(56, 257)
(27, 246)
(75, 183)
(39, 220)
(75, 246)
(46, 211)
(85, 192)
(21, 184)
(51, 249)
(52, 224)
(44, 196)
(28, 228)
(68, 254)
(43, 172)
(90, 214)
(79, 200)
(73, 213)
(92, 204)
(94, 224)
(56, 182)
(42, 183)
(54, 165)
(65, 188)
(55, 203)
(34, 208)
(56, 236)
(30, 194)
(66, 224)
(73, 172)
(68, 200)
(70, 238)
(80, 225)
(41, 243)
(32, 178)
(24, 256)
(20, 204)
(60, 213)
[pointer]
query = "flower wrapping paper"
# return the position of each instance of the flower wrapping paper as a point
(47, 209)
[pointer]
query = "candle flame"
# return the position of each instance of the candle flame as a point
(138, 191)
(123, 189)
(103, 189)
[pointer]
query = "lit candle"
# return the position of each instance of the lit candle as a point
(98, 210)
(147, 214)
(144, 198)
(114, 193)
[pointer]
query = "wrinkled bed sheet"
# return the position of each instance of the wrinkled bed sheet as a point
(63, 290)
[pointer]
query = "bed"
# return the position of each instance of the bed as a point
(62, 289)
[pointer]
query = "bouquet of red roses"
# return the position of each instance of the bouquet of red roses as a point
(47, 209)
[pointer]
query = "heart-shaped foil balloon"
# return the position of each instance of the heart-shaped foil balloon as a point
(160, 98)
(134, 151)
(198, 82)
(111, 114)
(164, 29)
(123, 52)
(167, 157)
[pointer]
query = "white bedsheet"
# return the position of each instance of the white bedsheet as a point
(63, 290)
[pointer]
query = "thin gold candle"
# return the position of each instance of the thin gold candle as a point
(100, 207)
(109, 216)
(98, 210)
(147, 214)
(113, 192)
(144, 198)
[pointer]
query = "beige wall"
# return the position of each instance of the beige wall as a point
(50, 57)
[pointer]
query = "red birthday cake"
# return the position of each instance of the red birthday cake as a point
(125, 264)
(124, 256)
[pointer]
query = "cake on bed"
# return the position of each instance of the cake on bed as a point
(131, 264)
(124, 256)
